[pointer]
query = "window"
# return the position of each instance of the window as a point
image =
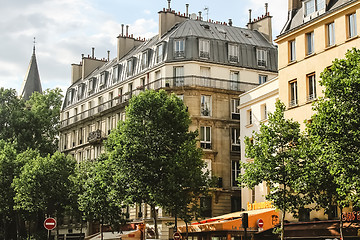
(292, 55)
(332, 212)
(159, 53)
(179, 48)
(179, 76)
(262, 79)
(204, 48)
(234, 80)
(157, 83)
(205, 206)
(205, 106)
(130, 89)
(235, 172)
(235, 112)
(261, 56)
(144, 60)
(233, 53)
(103, 78)
(205, 74)
(130, 67)
(264, 114)
(235, 139)
(293, 94)
(352, 25)
(310, 43)
(116, 73)
(312, 6)
(91, 85)
(311, 87)
(205, 137)
(249, 117)
(330, 34)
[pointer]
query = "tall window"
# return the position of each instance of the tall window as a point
(330, 32)
(235, 112)
(234, 80)
(293, 94)
(179, 76)
(115, 73)
(130, 67)
(159, 53)
(233, 53)
(157, 83)
(352, 25)
(261, 57)
(249, 117)
(179, 48)
(205, 137)
(262, 79)
(205, 206)
(205, 75)
(311, 87)
(144, 60)
(292, 56)
(205, 107)
(310, 43)
(264, 113)
(235, 172)
(204, 48)
(235, 139)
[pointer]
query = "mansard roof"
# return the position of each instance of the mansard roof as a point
(31, 82)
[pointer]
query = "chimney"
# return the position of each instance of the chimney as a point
(167, 19)
(230, 22)
(93, 53)
(294, 4)
(249, 15)
(266, 9)
(200, 15)
(187, 10)
(127, 30)
(122, 30)
(108, 55)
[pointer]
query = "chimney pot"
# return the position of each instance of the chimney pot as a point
(93, 52)
(200, 15)
(187, 10)
(169, 1)
(266, 8)
(82, 56)
(249, 15)
(127, 30)
(230, 22)
(108, 55)
(122, 30)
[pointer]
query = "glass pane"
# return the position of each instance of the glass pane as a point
(202, 137)
(208, 134)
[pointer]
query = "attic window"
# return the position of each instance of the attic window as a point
(221, 30)
(205, 26)
(247, 35)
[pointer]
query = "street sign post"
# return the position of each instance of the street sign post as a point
(177, 236)
(50, 224)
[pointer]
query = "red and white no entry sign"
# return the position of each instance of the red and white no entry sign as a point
(260, 223)
(177, 235)
(50, 223)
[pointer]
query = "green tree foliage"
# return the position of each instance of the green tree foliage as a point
(277, 160)
(156, 154)
(32, 124)
(97, 199)
(335, 130)
(44, 186)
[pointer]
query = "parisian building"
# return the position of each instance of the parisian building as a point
(205, 63)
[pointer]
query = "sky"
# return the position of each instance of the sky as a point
(65, 29)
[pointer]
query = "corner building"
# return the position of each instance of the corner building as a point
(206, 63)
(316, 32)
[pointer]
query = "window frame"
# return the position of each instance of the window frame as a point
(206, 111)
(235, 139)
(233, 52)
(293, 93)
(159, 53)
(351, 25)
(179, 48)
(262, 78)
(178, 75)
(311, 86)
(205, 141)
(292, 51)
(235, 112)
(261, 57)
(249, 117)
(330, 34)
(204, 48)
(235, 172)
(310, 43)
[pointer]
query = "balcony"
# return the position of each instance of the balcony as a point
(171, 82)
(95, 136)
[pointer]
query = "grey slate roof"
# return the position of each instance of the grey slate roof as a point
(296, 17)
(31, 82)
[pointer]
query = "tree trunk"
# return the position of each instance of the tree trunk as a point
(155, 221)
(187, 231)
(341, 225)
(282, 225)
(101, 230)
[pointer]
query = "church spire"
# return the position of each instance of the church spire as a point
(32, 79)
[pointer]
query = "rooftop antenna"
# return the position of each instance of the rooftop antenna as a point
(34, 46)
(206, 10)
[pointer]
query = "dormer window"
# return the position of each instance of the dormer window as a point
(91, 84)
(103, 77)
(159, 53)
(145, 60)
(179, 48)
(116, 73)
(261, 56)
(130, 67)
(233, 53)
(312, 6)
(204, 48)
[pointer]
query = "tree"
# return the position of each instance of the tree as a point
(32, 124)
(156, 154)
(97, 199)
(277, 160)
(335, 130)
(44, 186)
